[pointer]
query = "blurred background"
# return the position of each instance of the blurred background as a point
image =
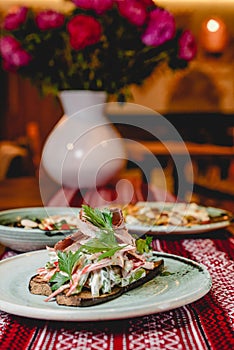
(198, 101)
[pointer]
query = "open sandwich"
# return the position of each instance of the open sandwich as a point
(98, 263)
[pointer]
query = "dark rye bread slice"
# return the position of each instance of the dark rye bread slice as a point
(37, 286)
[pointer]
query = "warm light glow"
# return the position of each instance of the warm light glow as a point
(214, 35)
(213, 25)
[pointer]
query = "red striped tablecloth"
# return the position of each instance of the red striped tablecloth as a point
(206, 324)
(202, 325)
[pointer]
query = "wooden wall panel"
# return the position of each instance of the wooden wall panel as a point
(22, 104)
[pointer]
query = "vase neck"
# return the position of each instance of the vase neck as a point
(74, 101)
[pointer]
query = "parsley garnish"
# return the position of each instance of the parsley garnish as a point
(103, 242)
(66, 261)
(144, 245)
(99, 218)
(58, 280)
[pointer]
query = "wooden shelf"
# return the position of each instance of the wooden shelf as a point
(139, 149)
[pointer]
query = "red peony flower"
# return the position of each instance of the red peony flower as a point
(13, 20)
(99, 6)
(8, 67)
(84, 31)
(161, 28)
(20, 58)
(187, 46)
(133, 10)
(13, 55)
(8, 45)
(49, 19)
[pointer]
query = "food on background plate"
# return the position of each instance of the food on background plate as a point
(171, 214)
(141, 213)
(98, 263)
(49, 223)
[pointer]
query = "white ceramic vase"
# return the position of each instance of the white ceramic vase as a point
(84, 150)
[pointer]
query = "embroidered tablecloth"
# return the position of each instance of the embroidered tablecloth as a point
(202, 325)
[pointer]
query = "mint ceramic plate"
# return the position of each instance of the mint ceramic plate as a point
(187, 282)
(221, 219)
(24, 240)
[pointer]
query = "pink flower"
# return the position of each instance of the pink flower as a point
(49, 19)
(20, 58)
(14, 56)
(8, 67)
(133, 10)
(161, 28)
(187, 46)
(15, 19)
(84, 31)
(8, 45)
(17, 59)
(99, 6)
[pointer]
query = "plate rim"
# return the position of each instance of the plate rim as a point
(196, 229)
(95, 314)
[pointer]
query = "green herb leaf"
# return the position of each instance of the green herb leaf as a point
(109, 253)
(67, 261)
(58, 280)
(144, 245)
(99, 218)
(104, 242)
(166, 273)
